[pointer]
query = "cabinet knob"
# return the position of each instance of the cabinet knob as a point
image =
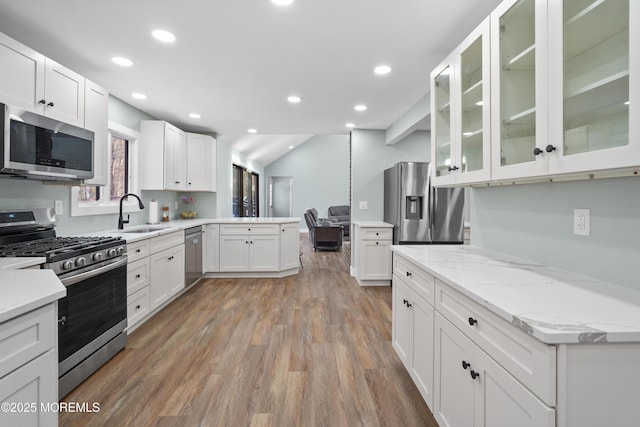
(474, 374)
(137, 276)
(138, 307)
(246, 241)
(453, 168)
(42, 101)
(408, 274)
(138, 251)
(550, 148)
(377, 243)
(465, 365)
(537, 151)
(472, 321)
(377, 234)
(50, 104)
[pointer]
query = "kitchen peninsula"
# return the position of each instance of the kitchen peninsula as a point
(528, 343)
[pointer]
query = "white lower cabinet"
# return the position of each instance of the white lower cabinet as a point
(471, 389)
(249, 248)
(412, 335)
(167, 274)
(372, 241)
(211, 248)
(289, 246)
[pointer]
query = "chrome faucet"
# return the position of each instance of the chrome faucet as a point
(121, 220)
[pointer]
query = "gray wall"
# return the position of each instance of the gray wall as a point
(535, 222)
(370, 157)
(320, 171)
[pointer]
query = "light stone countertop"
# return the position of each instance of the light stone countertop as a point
(378, 224)
(20, 262)
(553, 305)
(24, 290)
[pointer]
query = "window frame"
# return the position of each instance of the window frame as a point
(105, 205)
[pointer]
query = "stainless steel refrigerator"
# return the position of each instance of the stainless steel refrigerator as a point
(420, 213)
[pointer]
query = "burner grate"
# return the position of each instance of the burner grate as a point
(54, 246)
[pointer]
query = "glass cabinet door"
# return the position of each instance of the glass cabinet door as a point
(441, 124)
(517, 84)
(472, 107)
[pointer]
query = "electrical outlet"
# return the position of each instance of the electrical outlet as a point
(363, 205)
(582, 222)
(59, 208)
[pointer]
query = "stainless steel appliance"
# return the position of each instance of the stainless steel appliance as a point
(193, 255)
(37, 147)
(92, 318)
(420, 213)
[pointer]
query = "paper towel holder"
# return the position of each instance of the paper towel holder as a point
(153, 212)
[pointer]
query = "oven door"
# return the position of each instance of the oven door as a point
(93, 312)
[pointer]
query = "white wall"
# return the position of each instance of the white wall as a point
(320, 171)
(535, 222)
(370, 157)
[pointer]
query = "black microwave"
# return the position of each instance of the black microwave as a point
(38, 147)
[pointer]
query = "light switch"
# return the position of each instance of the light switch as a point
(363, 205)
(59, 207)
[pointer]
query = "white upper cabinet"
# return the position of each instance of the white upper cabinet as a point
(519, 89)
(460, 121)
(96, 103)
(38, 84)
(201, 172)
(593, 45)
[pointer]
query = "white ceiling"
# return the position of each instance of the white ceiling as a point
(235, 62)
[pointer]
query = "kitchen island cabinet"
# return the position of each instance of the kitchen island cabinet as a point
(372, 240)
(519, 343)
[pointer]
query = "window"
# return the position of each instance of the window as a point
(245, 196)
(94, 200)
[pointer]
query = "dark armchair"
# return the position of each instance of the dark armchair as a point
(323, 234)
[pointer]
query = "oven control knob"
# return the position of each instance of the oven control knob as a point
(67, 265)
(120, 250)
(81, 261)
(111, 253)
(97, 257)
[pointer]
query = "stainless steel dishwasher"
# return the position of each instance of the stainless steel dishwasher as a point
(193, 255)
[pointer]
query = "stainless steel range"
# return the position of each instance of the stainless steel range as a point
(92, 318)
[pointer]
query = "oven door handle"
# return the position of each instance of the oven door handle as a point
(93, 273)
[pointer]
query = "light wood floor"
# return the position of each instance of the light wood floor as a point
(308, 350)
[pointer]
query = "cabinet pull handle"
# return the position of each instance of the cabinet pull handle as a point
(474, 374)
(62, 320)
(408, 274)
(453, 168)
(472, 321)
(537, 151)
(50, 104)
(404, 301)
(170, 258)
(465, 365)
(42, 101)
(176, 182)
(549, 148)
(409, 305)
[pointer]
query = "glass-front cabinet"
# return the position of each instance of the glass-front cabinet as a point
(590, 86)
(461, 130)
(519, 85)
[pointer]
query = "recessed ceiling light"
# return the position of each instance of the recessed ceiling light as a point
(138, 95)
(252, 131)
(350, 125)
(123, 62)
(163, 36)
(360, 107)
(282, 2)
(479, 103)
(626, 103)
(194, 115)
(382, 69)
(294, 99)
(291, 147)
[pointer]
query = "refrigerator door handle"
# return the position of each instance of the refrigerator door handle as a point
(430, 205)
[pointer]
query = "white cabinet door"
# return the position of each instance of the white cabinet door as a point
(96, 105)
(289, 246)
(199, 168)
(234, 253)
(64, 94)
(402, 324)
(454, 389)
(211, 250)
(593, 48)
(22, 82)
(375, 260)
(422, 367)
(167, 274)
(34, 386)
(264, 253)
(519, 96)
(175, 174)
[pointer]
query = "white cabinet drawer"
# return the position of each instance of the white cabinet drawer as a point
(249, 228)
(137, 250)
(138, 306)
(24, 338)
(421, 281)
(529, 360)
(137, 275)
(377, 233)
(166, 241)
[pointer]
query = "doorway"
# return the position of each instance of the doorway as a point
(280, 196)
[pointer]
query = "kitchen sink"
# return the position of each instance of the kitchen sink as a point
(143, 230)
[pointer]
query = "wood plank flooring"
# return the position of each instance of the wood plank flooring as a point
(307, 350)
